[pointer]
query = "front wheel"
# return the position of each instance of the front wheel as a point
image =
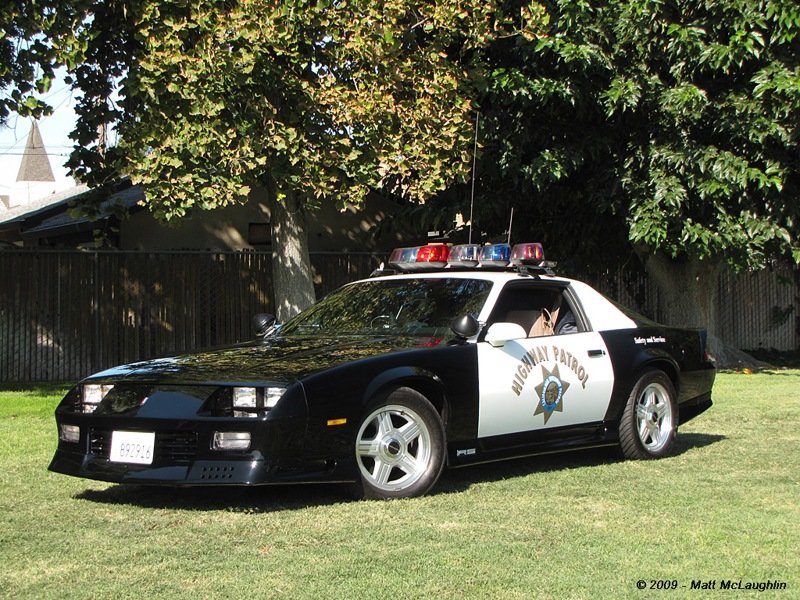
(400, 446)
(650, 419)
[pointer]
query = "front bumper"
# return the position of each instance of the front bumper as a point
(183, 453)
(184, 420)
(223, 472)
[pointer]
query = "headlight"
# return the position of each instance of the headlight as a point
(272, 395)
(93, 393)
(248, 401)
(244, 397)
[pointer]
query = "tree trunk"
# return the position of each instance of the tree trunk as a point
(688, 289)
(292, 278)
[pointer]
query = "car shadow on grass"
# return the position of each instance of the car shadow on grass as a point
(239, 499)
(277, 498)
(692, 441)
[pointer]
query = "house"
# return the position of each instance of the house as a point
(121, 221)
(40, 213)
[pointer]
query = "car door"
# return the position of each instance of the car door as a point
(543, 382)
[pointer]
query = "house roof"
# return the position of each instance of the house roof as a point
(41, 205)
(52, 216)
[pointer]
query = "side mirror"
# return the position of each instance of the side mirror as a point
(262, 324)
(501, 333)
(465, 327)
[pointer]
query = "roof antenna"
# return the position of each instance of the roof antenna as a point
(474, 158)
(510, 222)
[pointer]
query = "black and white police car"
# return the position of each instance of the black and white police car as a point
(470, 354)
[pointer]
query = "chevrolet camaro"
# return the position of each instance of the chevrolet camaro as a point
(450, 356)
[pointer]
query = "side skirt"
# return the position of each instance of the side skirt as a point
(487, 460)
(533, 443)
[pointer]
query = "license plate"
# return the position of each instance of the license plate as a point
(132, 447)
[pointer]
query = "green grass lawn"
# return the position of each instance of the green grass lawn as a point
(724, 506)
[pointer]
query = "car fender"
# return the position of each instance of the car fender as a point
(663, 361)
(629, 361)
(424, 381)
(326, 390)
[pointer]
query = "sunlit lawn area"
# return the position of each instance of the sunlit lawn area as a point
(724, 506)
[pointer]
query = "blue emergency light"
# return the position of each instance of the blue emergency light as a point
(495, 255)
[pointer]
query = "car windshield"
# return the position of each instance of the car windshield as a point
(415, 307)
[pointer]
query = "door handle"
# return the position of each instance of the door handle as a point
(597, 352)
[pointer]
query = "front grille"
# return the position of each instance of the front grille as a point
(175, 447)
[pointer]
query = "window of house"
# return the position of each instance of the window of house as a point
(259, 234)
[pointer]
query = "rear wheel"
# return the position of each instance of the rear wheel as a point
(650, 419)
(400, 446)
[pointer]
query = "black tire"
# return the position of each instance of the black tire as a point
(650, 419)
(400, 446)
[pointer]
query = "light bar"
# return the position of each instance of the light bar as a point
(420, 258)
(465, 255)
(527, 254)
(433, 254)
(401, 256)
(441, 256)
(495, 255)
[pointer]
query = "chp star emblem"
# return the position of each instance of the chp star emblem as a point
(550, 393)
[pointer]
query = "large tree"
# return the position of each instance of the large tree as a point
(676, 123)
(710, 97)
(308, 101)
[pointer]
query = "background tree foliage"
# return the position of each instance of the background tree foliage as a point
(667, 128)
(27, 58)
(320, 99)
(311, 101)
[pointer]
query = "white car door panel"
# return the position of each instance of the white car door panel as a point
(543, 382)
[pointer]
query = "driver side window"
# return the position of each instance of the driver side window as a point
(540, 311)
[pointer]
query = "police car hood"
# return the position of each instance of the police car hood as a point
(276, 360)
